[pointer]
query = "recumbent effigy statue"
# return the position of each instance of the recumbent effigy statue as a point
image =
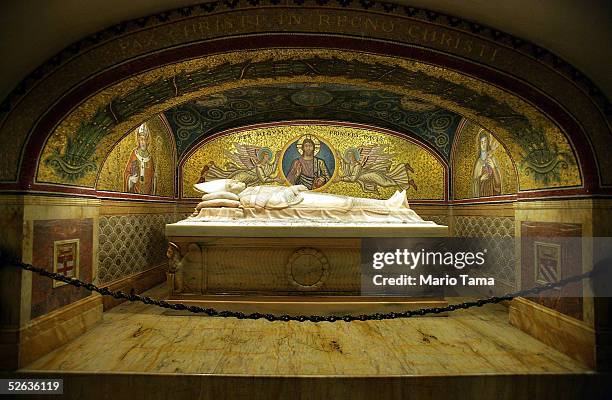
(268, 203)
(274, 241)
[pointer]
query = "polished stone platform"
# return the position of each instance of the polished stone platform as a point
(134, 337)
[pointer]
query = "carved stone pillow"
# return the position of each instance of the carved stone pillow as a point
(218, 203)
(221, 195)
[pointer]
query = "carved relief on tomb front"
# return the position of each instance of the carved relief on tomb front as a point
(272, 266)
(307, 269)
(184, 271)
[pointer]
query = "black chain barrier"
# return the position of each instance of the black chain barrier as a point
(303, 318)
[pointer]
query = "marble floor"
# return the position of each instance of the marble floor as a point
(144, 339)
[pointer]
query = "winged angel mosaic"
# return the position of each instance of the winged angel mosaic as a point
(372, 167)
(369, 166)
(252, 165)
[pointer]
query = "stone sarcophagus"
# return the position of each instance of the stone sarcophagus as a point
(269, 255)
(280, 269)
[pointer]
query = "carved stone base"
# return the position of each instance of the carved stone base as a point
(285, 275)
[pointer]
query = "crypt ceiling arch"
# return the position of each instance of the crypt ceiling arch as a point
(61, 125)
(197, 119)
(548, 155)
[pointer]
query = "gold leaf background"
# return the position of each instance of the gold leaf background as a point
(428, 170)
(464, 157)
(162, 148)
(568, 177)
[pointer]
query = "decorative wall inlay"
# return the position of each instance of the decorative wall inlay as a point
(495, 233)
(131, 243)
(438, 219)
(551, 251)
(60, 245)
(66, 259)
(483, 226)
(547, 262)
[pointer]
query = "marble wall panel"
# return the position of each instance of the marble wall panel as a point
(550, 217)
(548, 254)
(46, 297)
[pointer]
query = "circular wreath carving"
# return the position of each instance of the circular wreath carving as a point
(307, 269)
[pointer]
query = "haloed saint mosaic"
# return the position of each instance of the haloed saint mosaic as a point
(337, 159)
(308, 161)
(142, 162)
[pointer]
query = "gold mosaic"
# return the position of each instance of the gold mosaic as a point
(481, 167)
(124, 171)
(570, 176)
(336, 159)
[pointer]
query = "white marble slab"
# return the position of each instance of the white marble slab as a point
(300, 228)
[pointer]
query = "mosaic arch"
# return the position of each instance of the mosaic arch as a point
(348, 159)
(60, 128)
(196, 119)
(547, 156)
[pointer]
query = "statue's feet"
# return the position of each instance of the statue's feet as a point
(408, 168)
(411, 183)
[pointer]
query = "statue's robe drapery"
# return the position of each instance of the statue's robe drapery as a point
(298, 203)
(139, 175)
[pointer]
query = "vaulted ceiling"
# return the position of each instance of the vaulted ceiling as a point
(199, 118)
(96, 91)
(579, 31)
